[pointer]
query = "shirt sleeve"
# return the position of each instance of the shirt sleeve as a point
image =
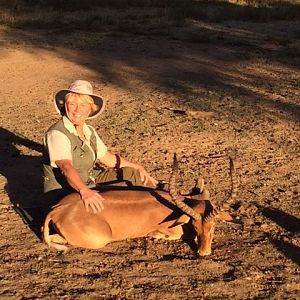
(101, 147)
(59, 146)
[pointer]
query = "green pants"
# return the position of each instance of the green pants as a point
(117, 177)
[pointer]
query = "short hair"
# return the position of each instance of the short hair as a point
(82, 98)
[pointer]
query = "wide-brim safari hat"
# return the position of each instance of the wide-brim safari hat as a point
(79, 87)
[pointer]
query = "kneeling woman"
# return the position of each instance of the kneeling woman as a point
(72, 148)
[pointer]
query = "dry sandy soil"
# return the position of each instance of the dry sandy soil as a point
(170, 93)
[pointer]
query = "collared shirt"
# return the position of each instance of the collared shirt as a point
(59, 146)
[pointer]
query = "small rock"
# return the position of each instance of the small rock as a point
(264, 226)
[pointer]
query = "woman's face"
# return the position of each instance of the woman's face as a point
(77, 111)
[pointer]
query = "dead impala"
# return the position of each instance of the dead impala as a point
(136, 212)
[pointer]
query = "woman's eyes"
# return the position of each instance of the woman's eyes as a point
(84, 105)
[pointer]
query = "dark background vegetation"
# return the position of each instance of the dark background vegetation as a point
(50, 13)
(185, 20)
(153, 17)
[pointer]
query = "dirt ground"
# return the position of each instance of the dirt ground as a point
(165, 94)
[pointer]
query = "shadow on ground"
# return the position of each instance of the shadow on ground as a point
(199, 57)
(291, 224)
(24, 177)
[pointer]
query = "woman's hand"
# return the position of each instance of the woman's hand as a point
(146, 178)
(92, 200)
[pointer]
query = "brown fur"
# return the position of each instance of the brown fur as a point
(127, 214)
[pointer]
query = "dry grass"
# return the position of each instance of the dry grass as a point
(263, 3)
(135, 16)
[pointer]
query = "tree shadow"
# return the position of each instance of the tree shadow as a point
(201, 71)
(23, 173)
(283, 219)
(289, 250)
(289, 223)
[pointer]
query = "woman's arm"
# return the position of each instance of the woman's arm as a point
(113, 161)
(91, 199)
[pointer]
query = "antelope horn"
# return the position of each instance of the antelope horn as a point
(178, 199)
(200, 184)
(234, 188)
(234, 182)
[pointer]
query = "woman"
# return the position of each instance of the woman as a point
(72, 149)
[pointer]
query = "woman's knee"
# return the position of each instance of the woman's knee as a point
(125, 176)
(131, 175)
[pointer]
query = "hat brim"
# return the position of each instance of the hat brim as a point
(59, 103)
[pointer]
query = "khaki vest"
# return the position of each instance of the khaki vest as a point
(82, 158)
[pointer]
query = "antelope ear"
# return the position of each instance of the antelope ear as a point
(182, 220)
(225, 216)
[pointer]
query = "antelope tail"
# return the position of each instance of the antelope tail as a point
(48, 238)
